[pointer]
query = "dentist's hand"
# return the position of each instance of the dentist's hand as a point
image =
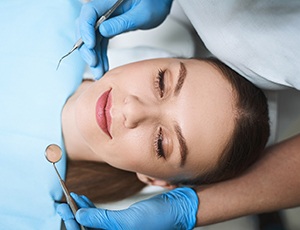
(130, 15)
(66, 213)
(171, 210)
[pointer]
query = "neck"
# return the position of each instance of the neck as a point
(75, 145)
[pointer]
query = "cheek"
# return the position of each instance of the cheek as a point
(85, 116)
(129, 152)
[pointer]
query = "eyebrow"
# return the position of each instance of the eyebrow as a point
(181, 78)
(181, 140)
(182, 145)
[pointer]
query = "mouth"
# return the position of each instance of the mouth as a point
(103, 116)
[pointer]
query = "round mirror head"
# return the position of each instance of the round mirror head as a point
(53, 153)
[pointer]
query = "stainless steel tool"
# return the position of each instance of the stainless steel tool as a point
(53, 154)
(79, 43)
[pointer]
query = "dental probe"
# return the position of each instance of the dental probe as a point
(79, 43)
(53, 154)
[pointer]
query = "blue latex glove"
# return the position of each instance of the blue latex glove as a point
(131, 15)
(66, 213)
(176, 209)
(97, 61)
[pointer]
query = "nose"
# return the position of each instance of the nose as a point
(137, 111)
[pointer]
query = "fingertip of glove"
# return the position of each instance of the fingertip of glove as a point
(61, 207)
(73, 195)
(64, 211)
(106, 29)
(97, 72)
(81, 214)
(103, 31)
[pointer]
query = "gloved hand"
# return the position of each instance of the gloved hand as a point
(66, 213)
(97, 61)
(175, 209)
(130, 15)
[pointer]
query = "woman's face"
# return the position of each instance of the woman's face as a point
(165, 118)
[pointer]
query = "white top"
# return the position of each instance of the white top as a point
(258, 39)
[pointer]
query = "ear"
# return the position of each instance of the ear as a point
(155, 182)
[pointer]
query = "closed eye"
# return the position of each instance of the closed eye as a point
(160, 82)
(158, 144)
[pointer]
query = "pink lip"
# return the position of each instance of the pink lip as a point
(103, 117)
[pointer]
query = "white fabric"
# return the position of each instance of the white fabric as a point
(258, 39)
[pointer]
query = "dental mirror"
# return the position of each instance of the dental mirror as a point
(53, 153)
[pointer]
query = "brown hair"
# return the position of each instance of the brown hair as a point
(103, 183)
(251, 131)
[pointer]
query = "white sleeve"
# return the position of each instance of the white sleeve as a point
(258, 39)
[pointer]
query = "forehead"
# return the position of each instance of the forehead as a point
(207, 117)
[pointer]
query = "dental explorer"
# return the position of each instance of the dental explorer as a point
(53, 154)
(79, 43)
